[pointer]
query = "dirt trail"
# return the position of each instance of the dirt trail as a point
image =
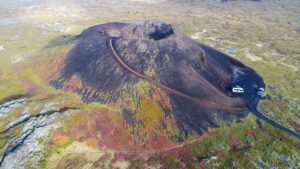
(174, 91)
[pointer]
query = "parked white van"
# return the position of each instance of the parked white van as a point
(237, 89)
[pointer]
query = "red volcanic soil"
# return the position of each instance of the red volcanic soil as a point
(109, 59)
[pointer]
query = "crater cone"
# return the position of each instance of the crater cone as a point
(194, 77)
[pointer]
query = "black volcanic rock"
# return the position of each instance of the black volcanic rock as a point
(156, 30)
(176, 61)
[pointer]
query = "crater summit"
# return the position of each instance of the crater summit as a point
(151, 63)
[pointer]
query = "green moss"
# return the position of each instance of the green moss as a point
(51, 150)
(191, 166)
(171, 162)
(238, 28)
(136, 164)
(11, 86)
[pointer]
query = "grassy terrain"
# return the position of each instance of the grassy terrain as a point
(266, 36)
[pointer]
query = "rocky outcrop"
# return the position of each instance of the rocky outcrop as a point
(6, 107)
(19, 147)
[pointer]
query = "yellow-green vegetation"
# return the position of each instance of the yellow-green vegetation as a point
(265, 34)
(236, 146)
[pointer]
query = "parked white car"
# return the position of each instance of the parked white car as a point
(237, 89)
(260, 91)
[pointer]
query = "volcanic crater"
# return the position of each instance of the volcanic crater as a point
(110, 61)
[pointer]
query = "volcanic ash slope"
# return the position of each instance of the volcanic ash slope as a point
(150, 63)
